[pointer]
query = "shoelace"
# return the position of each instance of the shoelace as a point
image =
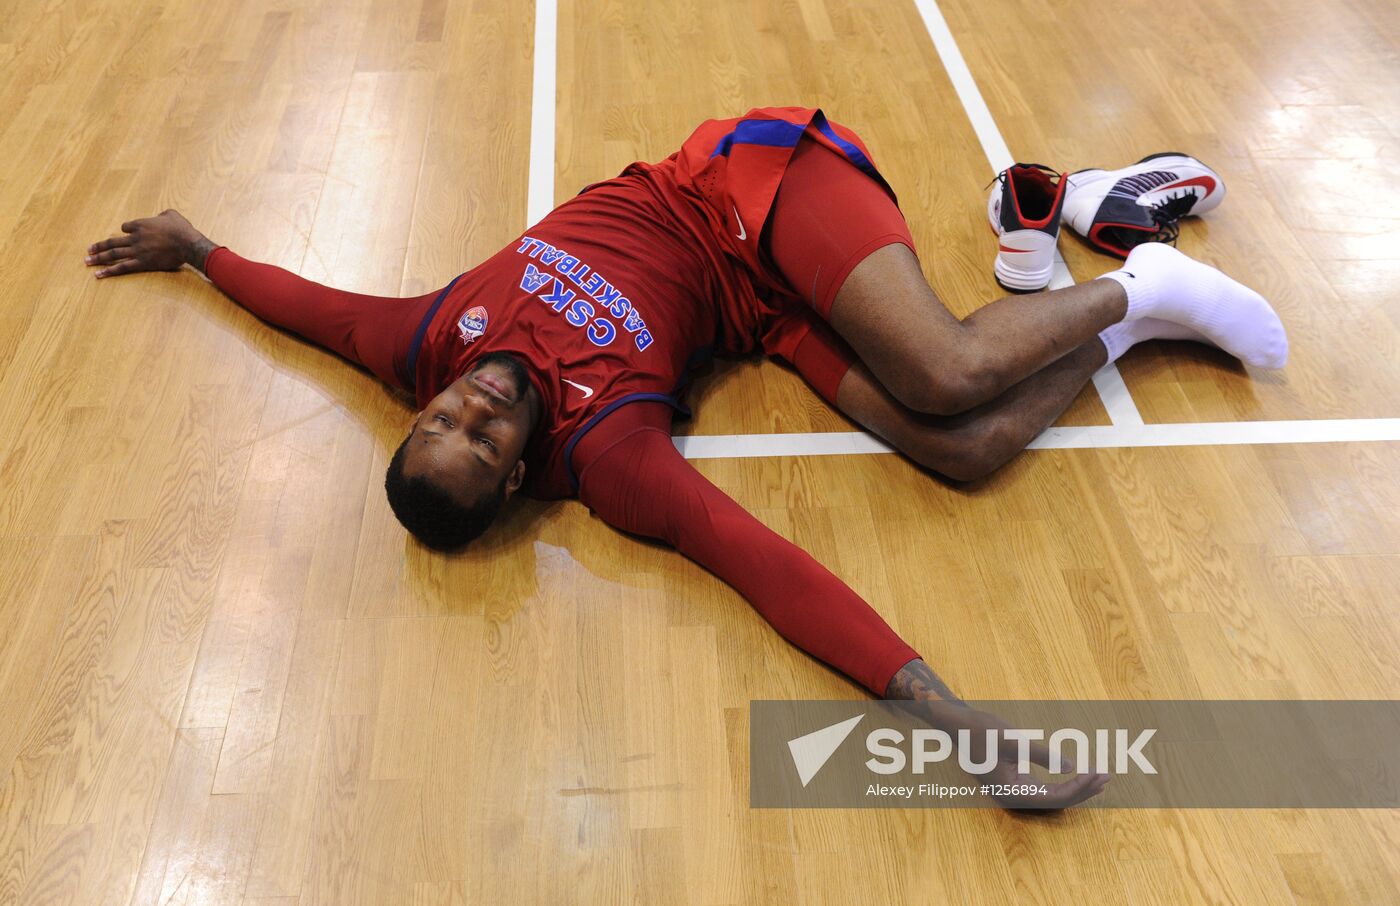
(1167, 214)
(1005, 174)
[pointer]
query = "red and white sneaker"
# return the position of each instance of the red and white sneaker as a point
(1024, 210)
(1116, 210)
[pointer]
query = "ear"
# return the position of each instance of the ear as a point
(515, 478)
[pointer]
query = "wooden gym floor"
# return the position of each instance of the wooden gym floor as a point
(225, 676)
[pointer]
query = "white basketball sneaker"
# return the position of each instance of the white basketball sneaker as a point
(1024, 209)
(1116, 210)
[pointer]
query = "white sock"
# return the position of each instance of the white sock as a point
(1166, 285)
(1124, 335)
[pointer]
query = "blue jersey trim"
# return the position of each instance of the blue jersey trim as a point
(772, 133)
(608, 410)
(850, 149)
(782, 134)
(417, 342)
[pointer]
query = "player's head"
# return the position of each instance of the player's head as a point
(461, 461)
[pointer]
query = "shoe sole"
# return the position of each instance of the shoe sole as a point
(1021, 282)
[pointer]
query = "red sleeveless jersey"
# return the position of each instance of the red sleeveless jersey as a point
(618, 292)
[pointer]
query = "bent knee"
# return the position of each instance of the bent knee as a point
(946, 388)
(965, 468)
(969, 453)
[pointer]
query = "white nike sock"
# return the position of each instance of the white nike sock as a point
(1163, 283)
(1124, 335)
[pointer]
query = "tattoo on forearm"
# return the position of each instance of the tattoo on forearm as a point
(916, 680)
(199, 252)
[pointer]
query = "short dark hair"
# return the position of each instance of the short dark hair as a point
(431, 514)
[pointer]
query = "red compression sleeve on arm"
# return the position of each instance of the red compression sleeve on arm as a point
(633, 477)
(373, 331)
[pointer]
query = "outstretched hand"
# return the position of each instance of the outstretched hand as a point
(165, 242)
(921, 691)
(1010, 788)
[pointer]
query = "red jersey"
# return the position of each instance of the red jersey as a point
(618, 292)
(608, 299)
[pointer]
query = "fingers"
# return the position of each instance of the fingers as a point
(124, 266)
(1059, 795)
(115, 242)
(1075, 790)
(108, 256)
(132, 226)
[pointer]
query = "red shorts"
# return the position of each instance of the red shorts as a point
(827, 217)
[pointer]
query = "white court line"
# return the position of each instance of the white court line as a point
(1117, 401)
(1317, 431)
(993, 145)
(1108, 382)
(540, 198)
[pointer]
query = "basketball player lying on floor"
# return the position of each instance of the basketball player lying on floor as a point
(553, 367)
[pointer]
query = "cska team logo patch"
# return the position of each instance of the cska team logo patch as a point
(472, 324)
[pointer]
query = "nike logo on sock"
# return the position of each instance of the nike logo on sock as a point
(743, 233)
(587, 391)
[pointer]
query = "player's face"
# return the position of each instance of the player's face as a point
(469, 438)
